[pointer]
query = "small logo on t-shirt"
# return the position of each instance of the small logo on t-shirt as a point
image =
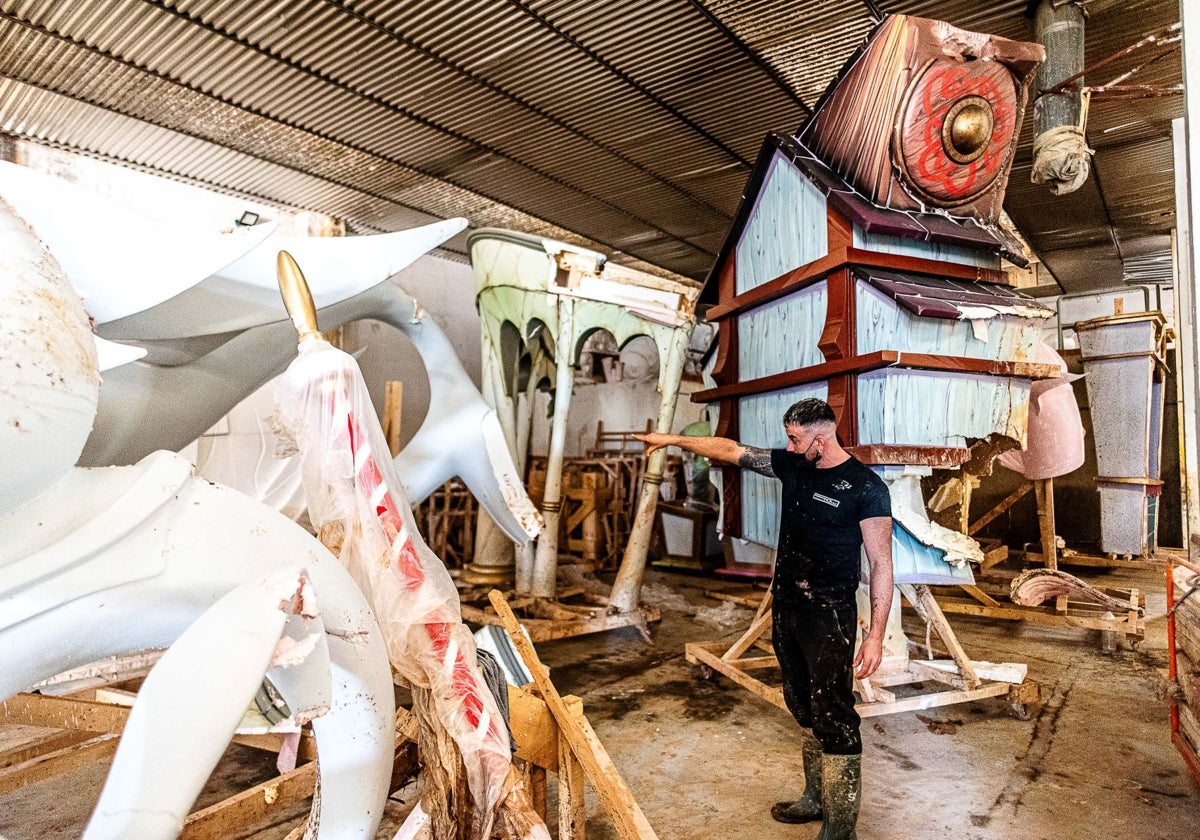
(842, 485)
(827, 500)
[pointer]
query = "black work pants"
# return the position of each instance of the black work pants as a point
(815, 647)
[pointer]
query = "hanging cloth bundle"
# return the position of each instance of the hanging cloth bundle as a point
(1061, 156)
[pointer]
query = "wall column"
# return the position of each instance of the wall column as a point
(545, 569)
(1187, 256)
(627, 588)
(492, 560)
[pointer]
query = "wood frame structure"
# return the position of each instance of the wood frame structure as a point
(1183, 663)
(962, 685)
(992, 601)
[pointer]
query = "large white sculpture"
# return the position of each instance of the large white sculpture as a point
(98, 562)
(206, 311)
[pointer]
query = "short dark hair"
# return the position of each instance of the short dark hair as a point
(809, 412)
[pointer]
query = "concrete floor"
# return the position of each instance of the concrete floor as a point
(706, 759)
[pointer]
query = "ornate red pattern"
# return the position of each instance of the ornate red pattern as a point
(929, 170)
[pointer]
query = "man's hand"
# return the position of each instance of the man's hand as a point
(655, 441)
(870, 654)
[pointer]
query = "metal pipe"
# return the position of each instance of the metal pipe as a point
(1061, 157)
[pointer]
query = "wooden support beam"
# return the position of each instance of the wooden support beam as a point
(979, 595)
(299, 831)
(927, 606)
(874, 361)
(1044, 489)
(564, 627)
(1007, 502)
(615, 796)
(393, 402)
(41, 746)
(704, 654)
(91, 716)
(762, 620)
(64, 713)
(533, 727)
(572, 807)
(1042, 615)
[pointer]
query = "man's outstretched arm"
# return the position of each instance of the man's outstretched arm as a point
(715, 449)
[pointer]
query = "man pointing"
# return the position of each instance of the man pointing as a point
(832, 507)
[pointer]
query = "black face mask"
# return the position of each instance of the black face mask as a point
(809, 458)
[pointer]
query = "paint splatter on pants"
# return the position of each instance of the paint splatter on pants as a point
(815, 647)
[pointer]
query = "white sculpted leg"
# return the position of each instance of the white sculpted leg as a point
(194, 698)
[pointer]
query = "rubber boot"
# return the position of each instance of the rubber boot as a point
(841, 792)
(808, 807)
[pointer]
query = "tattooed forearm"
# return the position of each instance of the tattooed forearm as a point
(758, 460)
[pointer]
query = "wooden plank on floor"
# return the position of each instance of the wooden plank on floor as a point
(929, 701)
(746, 599)
(92, 716)
(60, 761)
(46, 744)
(252, 806)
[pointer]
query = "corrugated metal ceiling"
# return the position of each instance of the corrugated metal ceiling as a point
(629, 127)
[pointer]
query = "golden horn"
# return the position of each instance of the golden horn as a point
(297, 299)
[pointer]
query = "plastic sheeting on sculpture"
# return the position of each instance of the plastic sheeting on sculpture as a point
(355, 498)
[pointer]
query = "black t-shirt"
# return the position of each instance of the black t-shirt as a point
(820, 539)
